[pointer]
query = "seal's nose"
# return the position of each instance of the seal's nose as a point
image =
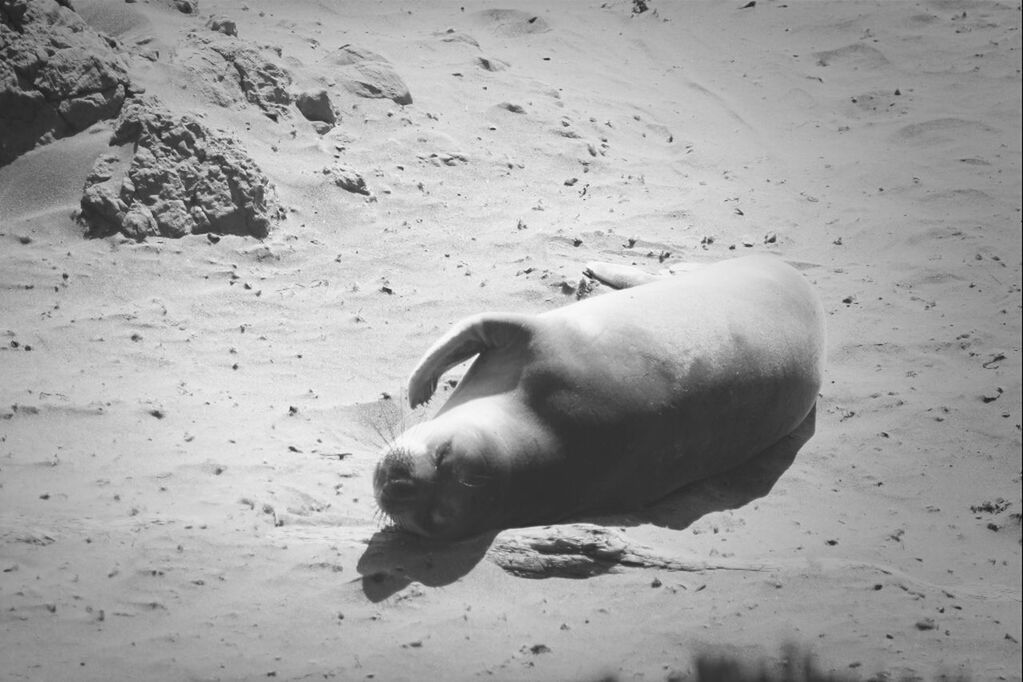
(395, 481)
(397, 492)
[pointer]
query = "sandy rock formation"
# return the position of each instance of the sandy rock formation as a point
(315, 105)
(222, 25)
(347, 179)
(230, 71)
(58, 76)
(186, 6)
(182, 178)
(511, 23)
(368, 74)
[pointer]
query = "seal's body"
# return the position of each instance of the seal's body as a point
(609, 403)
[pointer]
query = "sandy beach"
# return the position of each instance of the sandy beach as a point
(189, 426)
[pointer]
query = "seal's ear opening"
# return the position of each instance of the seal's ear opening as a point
(467, 338)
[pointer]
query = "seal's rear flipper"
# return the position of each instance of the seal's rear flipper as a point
(624, 276)
(467, 338)
(618, 276)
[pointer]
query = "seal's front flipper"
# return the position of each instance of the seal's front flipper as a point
(618, 276)
(467, 338)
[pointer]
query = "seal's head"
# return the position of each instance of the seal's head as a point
(438, 484)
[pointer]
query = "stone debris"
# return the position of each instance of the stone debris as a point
(347, 179)
(58, 76)
(584, 549)
(367, 74)
(186, 6)
(229, 71)
(182, 178)
(222, 25)
(315, 105)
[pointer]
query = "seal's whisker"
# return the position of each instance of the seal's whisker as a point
(383, 417)
(397, 453)
(385, 441)
(390, 422)
(384, 520)
(402, 402)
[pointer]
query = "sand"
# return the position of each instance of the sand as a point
(188, 428)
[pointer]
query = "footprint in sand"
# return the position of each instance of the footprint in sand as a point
(941, 131)
(856, 56)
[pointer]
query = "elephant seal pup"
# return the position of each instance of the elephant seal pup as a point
(609, 403)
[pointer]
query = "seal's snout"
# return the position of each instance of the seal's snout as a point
(398, 481)
(404, 485)
(398, 491)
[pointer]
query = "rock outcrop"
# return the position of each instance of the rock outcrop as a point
(315, 105)
(229, 71)
(58, 76)
(186, 6)
(222, 25)
(347, 179)
(367, 74)
(182, 178)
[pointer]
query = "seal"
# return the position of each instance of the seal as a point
(609, 403)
